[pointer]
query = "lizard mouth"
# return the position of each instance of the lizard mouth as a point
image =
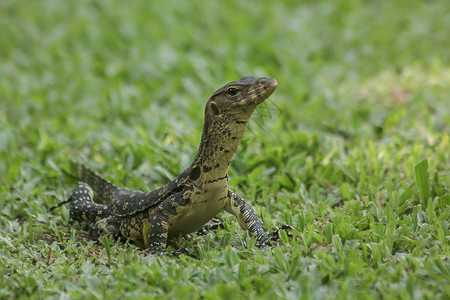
(261, 90)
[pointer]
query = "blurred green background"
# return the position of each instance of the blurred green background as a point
(362, 98)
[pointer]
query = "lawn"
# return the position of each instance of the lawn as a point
(352, 150)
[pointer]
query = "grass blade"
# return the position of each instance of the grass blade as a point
(421, 178)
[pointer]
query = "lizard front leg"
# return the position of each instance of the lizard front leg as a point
(157, 231)
(237, 206)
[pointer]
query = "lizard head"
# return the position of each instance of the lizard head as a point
(227, 113)
(237, 100)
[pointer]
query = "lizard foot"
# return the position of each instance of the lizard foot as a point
(275, 235)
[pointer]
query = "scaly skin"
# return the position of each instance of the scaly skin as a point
(193, 198)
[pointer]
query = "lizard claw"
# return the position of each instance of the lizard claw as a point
(275, 235)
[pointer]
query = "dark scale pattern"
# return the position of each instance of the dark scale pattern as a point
(246, 217)
(82, 208)
(193, 198)
(104, 189)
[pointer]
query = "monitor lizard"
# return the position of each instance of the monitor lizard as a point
(193, 198)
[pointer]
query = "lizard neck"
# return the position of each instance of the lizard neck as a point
(218, 144)
(227, 113)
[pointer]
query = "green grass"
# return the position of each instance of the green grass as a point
(352, 150)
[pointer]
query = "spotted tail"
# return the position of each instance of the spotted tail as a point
(91, 182)
(104, 189)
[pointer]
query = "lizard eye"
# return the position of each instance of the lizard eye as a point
(232, 91)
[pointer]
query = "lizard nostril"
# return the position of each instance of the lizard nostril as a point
(268, 82)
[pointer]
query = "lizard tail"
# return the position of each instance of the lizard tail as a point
(103, 188)
(60, 204)
(82, 208)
